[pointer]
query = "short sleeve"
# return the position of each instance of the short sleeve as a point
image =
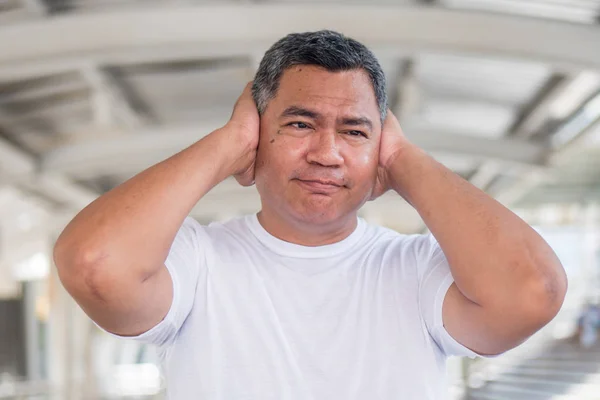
(186, 264)
(435, 279)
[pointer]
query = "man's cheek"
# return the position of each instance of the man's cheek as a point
(367, 162)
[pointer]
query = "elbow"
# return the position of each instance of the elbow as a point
(552, 284)
(545, 295)
(76, 267)
(69, 250)
(72, 257)
(544, 284)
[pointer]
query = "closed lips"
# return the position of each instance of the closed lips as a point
(321, 182)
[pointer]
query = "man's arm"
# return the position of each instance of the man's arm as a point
(111, 256)
(508, 281)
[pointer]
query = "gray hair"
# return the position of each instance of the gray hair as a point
(327, 49)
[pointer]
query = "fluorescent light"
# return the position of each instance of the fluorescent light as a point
(536, 9)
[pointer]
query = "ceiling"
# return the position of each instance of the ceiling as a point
(501, 91)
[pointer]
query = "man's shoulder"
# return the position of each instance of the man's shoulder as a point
(239, 230)
(213, 237)
(420, 245)
(380, 233)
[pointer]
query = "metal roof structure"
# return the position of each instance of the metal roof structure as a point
(504, 92)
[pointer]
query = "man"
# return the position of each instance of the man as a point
(304, 300)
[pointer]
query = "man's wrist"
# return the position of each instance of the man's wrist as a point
(405, 166)
(232, 149)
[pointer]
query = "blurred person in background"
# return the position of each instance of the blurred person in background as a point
(305, 300)
(588, 325)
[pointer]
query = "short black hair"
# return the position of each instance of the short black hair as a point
(327, 49)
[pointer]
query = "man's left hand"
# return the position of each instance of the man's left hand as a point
(391, 145)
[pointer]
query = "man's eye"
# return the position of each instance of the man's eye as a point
(356, 133)
(300, 125)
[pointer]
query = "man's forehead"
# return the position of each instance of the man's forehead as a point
(312, 76)
(304, 85)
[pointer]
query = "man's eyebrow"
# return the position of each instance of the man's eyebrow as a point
(296, 111)
(357, 121)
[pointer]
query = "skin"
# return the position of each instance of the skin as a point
(315, 160)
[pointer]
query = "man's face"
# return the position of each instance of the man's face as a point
(319, 145)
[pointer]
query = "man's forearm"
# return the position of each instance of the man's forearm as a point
(134, 224)
(494, 256)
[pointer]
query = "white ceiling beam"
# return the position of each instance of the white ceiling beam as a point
(14, 16)
(557, 156)
(485, 174)
(130, 153)
(36, 7)
(526, 126)
(505, 151)
(22, 169)
(540, 112)
(123, 152)
(111, 105)
(35, 93)
(515, 192)
(60, 189)
(13, 162)
(408, 92)
(138, 35)
(573, 146)
(47, 109)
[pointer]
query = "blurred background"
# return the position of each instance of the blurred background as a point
(504, 92)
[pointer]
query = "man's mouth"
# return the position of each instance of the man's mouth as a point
(320, 186)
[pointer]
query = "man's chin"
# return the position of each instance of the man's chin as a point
(320, 210)
(318, 215)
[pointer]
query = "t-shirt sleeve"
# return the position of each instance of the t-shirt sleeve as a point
(187, 265)
(435, 279)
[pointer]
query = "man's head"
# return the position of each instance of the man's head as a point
(322, 100)
(327, 49)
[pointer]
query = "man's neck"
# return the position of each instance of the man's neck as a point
(306, 234)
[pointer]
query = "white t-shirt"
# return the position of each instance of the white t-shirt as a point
(257, 318)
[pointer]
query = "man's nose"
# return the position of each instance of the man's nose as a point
(324, 149)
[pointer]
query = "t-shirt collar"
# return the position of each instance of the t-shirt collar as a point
(295, 250)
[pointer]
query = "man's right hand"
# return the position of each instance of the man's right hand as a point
(243, 128)
(111, 256)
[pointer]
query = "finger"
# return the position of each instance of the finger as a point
(390, 121)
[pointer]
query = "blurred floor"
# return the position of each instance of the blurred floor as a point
(563, 370)
(560, 370)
